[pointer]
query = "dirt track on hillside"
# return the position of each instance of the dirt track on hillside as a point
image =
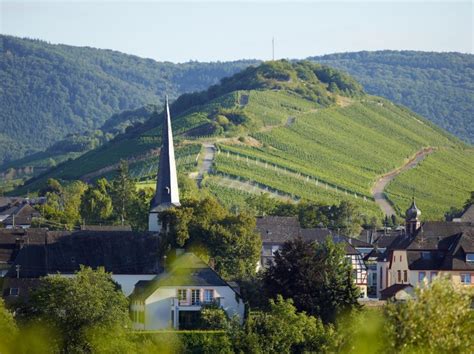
(378, 190)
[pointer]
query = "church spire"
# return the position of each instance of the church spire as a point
(167, 194)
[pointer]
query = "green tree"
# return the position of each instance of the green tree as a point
(62, 207)
(281, 330)
(96, 204)
(212, 231)
(88, 310)
(138, 209)
(213, 317)
(438, 320)
(122, 192)
(8, 330)
(317, 276)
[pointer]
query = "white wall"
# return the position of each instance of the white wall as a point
(159, 305)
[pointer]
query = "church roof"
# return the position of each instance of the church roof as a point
(43, 252)
(167, 194)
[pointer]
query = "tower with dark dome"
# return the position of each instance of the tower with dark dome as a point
(412, 218)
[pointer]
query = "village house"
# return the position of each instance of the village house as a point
(425, 251)
(276, 230)
(174, 298)
(17, 212)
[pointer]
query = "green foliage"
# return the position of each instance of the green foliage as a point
(96, 204)
(93, 315)
(194, 341)
(8, 330)
(438, 86)
(207, 228)
(316, 276)
(213, 317)
(281, 330)
(59, 90)
(438, 320)
(63, 204)
(122, 192)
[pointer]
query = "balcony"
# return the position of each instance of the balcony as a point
(188, 303)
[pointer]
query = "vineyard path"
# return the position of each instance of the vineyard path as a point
(251, 188)
(378, 189)
(206, 164)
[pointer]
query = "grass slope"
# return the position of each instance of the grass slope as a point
(324, 149)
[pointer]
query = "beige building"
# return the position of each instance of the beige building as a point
(426, 251)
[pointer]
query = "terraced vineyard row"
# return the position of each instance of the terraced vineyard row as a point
(296, 187)
(230, 152)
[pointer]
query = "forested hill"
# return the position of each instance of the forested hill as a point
(48, 91)
(298, 130)
(438, 86)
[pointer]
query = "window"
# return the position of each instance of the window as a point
(267, 250)
(381, 277)
(433, 275)
(426, 255)
(405, 276)
(399, 275)
(470, 257)
(14, 291)
(196, 297)
(275, 249)
(400, 258)
(208, 295)
(394, 259)
(182, 294)
(421, 276)
(466, 278)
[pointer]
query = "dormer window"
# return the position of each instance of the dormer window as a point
(426, 255)
(470, 257)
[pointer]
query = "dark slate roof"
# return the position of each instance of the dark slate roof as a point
(8, 202)
(188, 270)
(320, 235)
(278, 229)
(358, 243)
(167, 194)
(385, 240)
(468, 214)
(64, 252)
(106, 228)
(441, 246)
(12, 240)
(392, 290)
(24, 285)
(23, 215)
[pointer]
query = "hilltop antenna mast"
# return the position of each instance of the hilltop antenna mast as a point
(273, 48)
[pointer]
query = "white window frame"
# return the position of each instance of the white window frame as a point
(195, 301)
(208, 299)
(464, 276)
(470, 257)
(181, 292)
(14, 291)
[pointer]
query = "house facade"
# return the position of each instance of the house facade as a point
(426, 251)
(175, 298)
(276, 230)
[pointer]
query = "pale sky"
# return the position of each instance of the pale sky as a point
(223, 30)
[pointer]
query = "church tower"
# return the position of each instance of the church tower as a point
(167, 193)
(412, 220)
